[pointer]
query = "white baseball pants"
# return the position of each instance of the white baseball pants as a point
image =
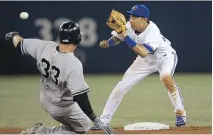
(135, 73)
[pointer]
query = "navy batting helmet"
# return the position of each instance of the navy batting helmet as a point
(69, 33)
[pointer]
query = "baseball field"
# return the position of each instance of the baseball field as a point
(148, 101)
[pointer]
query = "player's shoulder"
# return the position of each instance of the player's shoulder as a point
(70, 64)
(73, 61)
(78, 62)
(153, 28)
(152, 31)
(52, 43)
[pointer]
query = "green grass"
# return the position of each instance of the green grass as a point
(147, 101)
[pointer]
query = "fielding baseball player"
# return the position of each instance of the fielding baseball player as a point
(154, 54)
(63, 88)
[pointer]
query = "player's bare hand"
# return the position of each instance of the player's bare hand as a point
(104, 44)
(10, 35)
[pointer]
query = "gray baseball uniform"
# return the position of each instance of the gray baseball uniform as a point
(62, 78)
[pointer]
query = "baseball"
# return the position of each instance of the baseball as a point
(24, 15)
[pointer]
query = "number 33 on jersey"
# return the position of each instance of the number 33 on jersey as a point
(56, 68)
(46, 69)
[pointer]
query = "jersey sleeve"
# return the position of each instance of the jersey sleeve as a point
(151, 46)
(33, 47)
(152, 41)
(76, 82)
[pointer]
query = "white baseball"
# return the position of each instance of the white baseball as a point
(24, 15)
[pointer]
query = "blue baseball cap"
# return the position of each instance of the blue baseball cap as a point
(139, 11)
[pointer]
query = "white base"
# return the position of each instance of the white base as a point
(146, 126)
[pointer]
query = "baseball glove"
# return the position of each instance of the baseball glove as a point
(117, 21)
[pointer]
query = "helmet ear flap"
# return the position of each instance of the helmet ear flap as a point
(79, 38)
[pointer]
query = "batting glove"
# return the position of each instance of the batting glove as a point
(105, 127)
(10, 35)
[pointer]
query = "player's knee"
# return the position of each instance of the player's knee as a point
(120, 90)
(116, 93)
(167, 80)
(84, 128)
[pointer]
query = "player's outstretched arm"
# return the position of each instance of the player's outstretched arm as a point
(110, 42)
(14, 37)
(32, 47)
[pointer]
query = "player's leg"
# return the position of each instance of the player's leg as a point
(136, 72)
(39, 128)
(75, 121)
(71, 117)
(166, 69)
